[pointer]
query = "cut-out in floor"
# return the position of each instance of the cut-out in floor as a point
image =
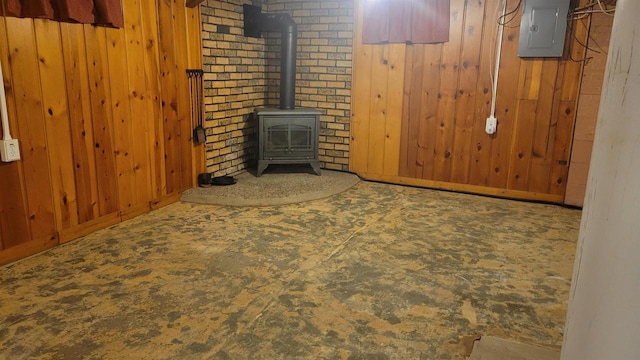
(494, 348)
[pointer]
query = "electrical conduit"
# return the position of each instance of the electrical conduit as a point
(6, 135)
(498, 55)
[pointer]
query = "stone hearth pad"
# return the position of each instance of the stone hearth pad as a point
(279, 185)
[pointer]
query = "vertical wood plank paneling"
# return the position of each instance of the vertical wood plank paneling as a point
(600, 26)
(184, 116)
(363, 55)
(139, 102)
(553, 127)
(430, 95)
(530, 72)
(121, 112)
(14, 224)
(154, 108)
(195, 62)
(169, 85)
(98, 71)
(443, 140)
(480, 157)
(85, 104)
(360, 113)
(449, 77)
(540, 163)
(566, 117)
(360, 122)
(506, 108)
(562, 147)
(27, 90)
(54, 97)
(414, 61)
(465, 102)
(520, 156)
(378, 110)
(81, 126)
(14, 218)
(393, 124)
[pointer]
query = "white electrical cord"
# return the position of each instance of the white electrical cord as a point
(494, 84)
(604, 11)
(3, 109)
(586, 10)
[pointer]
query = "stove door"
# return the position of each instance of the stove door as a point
(300, 138)
(277, 139)
(289, 138)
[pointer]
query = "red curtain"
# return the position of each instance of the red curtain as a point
(400, 21)
(99, 12)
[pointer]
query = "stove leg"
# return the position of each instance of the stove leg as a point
(316, 167)
(262, 165)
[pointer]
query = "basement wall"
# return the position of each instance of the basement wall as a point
(103, 120)
(235, 84)
(588, 105)
(325, 46)
(533, 155)
(242, 74)
(419, 110)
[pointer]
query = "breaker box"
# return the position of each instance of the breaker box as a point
(543, 28)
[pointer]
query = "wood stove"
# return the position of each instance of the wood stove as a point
(286, 135)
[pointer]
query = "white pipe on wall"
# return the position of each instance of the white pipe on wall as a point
(491, 125)
(6, 135)
(498, 56)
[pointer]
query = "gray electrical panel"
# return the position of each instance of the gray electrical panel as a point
(543, 28)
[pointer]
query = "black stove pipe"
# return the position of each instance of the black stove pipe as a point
(288, 45)
(288, 48)
(256, 22)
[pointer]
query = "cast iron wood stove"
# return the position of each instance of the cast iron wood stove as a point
(286, 135)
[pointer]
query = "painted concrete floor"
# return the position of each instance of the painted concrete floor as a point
(376, 272)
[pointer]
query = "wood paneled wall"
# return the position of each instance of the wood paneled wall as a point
(419, 110)
(103, 119)
(588, 107)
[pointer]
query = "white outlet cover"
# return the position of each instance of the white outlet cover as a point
(491, 125)
(9, 150)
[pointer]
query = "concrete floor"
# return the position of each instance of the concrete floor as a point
(376, 272)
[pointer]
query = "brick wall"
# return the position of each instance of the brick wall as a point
(235, 84)
(325, 33)
(242, 74)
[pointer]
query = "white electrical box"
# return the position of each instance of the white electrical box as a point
(543, 28)
(9, 150)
